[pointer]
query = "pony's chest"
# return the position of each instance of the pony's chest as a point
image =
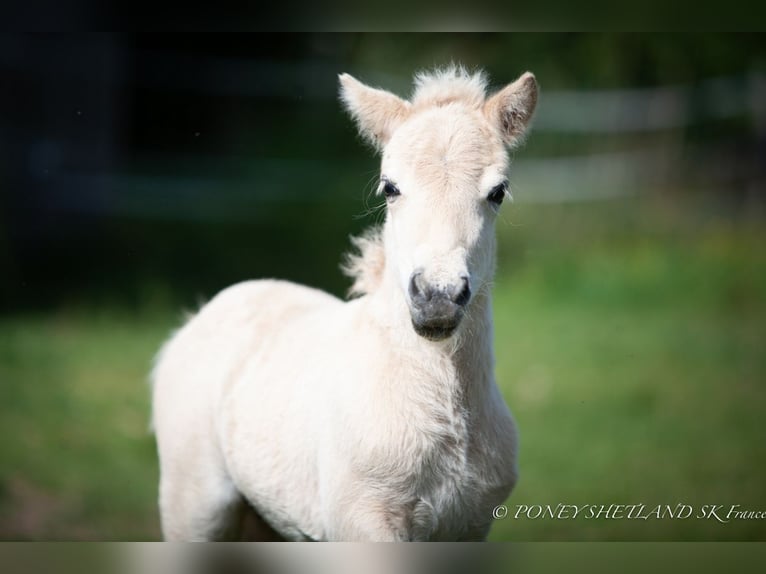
(448, 485)
(465, 474)
(441, 465)
(450, 492)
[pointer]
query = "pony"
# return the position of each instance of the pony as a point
(280, 410)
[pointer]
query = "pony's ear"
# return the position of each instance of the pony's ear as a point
(511, 108)
(377, 113)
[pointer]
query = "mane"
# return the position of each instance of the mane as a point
(366, 262)
(447, 85)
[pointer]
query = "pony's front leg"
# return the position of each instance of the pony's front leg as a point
(362, 512)
(368, 519)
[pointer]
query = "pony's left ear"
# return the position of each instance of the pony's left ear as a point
(511, 108)
(377, 113)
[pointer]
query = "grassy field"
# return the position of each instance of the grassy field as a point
(630, 341)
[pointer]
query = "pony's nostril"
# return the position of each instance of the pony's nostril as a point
(418, 291)
(464, 295)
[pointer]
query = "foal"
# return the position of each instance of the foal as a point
(372, 419)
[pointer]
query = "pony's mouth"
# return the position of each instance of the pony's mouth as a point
(436, 328)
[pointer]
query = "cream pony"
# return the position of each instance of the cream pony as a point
(280, 409)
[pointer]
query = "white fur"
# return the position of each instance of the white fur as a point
(334, 420)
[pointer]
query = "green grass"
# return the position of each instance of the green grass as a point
(630, 344)
(77, 458)
(632, 353)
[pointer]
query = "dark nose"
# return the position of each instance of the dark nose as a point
(422, 294)
(437, 311)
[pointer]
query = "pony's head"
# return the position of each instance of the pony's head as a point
(443, 176)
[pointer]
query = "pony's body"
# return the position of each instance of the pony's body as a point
(337, 420)
(306, 438)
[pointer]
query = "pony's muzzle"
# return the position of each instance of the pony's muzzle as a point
(436, 311)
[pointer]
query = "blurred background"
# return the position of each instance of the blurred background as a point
(140, 174)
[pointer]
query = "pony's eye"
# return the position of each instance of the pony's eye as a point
(497, 194)
(390, 190)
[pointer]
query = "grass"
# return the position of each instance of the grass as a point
(631, 351)
(630, 344)
(78, 461)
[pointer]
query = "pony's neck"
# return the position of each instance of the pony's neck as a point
(466, 359)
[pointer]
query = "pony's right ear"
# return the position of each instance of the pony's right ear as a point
(377, 113)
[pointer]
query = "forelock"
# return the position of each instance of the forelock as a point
(449, 85)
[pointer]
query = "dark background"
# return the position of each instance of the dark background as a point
(187, 162)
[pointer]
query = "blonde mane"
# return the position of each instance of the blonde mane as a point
(447, 85)
(366, 262)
